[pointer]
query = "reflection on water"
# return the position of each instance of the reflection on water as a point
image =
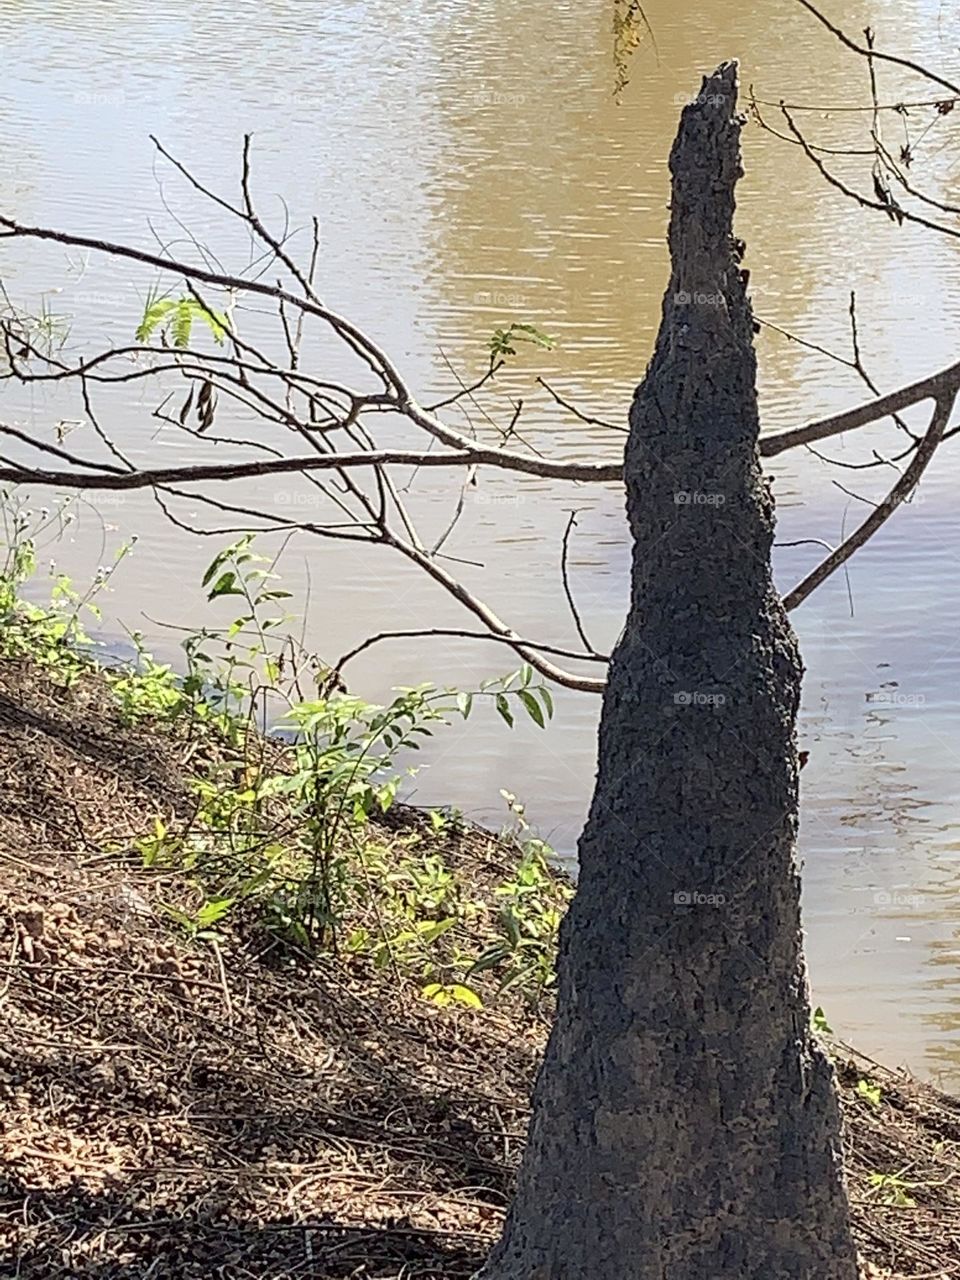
(471, 167)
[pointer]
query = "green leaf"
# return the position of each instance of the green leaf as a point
(179, 314)
(431, 930)
(869, 1091)
(547, 699)
(387, 794)
(532, 706)
(255, 882)
(214, 567)
(819, 1022)
(436, 993)
(535, 334)
(215, 321)
(154, 313)
(465, 995)
(503, 707)
(490, 958)
(213, 911)
(510, 926)
(182, 322)
(225, 585)
(176, 914)
(465, 704)
(503, 340)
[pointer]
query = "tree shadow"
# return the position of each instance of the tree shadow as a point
(74, 1233)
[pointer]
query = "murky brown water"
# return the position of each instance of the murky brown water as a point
(470, 167)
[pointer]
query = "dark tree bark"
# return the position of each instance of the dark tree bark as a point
(685, 1122)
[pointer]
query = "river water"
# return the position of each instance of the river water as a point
(470, 167)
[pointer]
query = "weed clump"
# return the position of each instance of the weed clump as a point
(293, 831)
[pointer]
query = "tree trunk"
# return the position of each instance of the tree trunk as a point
(685, 1125)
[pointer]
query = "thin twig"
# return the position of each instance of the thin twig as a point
(897, 495)
(564, 553)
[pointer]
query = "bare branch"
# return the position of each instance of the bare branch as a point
(316, 409)
(855, 364)
(63, 454)
(465, 390)
(884, 206)
(935, 387)
(578, 623)
(148, 477)
(577, 413)
(870, 52)
(585, 684)
(879, 516)
(458, 633)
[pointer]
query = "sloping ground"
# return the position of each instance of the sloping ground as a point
(173, 1111)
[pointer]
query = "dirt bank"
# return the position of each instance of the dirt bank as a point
(174, 1109)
